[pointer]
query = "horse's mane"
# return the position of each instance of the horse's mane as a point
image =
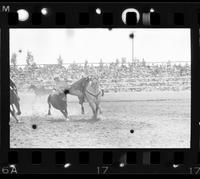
(77, 83)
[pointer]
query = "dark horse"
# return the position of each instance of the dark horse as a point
(41, 91)
(78, 89)
(14, 101)
(57, 100)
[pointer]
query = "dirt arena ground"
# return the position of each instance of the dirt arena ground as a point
(159, 120)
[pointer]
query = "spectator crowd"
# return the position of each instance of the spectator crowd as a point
(114, 77)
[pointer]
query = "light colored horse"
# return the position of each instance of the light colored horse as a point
(93, 95)
(78, 89)
(87, 89)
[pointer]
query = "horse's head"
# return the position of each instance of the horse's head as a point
(85, 81)
(94, 81)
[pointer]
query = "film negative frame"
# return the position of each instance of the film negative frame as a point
(100, 161)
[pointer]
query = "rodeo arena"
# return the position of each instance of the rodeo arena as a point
(101, 105)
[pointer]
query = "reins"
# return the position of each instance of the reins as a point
(96, 96)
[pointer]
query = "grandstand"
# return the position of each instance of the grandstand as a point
(114, 77)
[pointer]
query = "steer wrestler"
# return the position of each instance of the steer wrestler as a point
(59, 86)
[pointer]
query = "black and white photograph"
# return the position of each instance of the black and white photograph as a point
(100, 88)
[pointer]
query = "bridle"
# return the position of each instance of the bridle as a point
(96, 96)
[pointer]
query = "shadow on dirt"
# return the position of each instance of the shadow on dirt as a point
(75, 119)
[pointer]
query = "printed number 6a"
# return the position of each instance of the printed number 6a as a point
(102, 170)
(9, 170)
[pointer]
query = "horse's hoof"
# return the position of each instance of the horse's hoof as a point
(95, 119)
(67, 119)
(18, 113)
(100, 117)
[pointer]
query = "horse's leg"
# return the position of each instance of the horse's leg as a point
(49, 111)
(97, 109)
(81, 101)
(96, 112)
(18, 108)
(12, 111)
(99, 106)
(82, 109)
(49, 103)
(100, 110)
(18, 111)
(92, 105)
(64, 112)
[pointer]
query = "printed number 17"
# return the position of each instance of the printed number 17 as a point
(102, 170)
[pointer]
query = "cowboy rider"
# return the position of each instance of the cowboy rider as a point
(60, 86)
